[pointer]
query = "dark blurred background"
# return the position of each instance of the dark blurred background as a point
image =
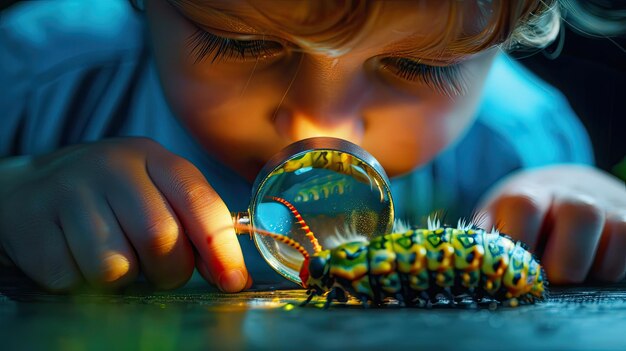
(591, 72)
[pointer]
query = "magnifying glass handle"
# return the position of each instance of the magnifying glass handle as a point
(241, 218)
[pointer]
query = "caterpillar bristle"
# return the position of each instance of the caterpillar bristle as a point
(433, 223)
(478, 218)
(499, 225)
(401, 226)
(462, 225)
(346, 235)
(523, 245)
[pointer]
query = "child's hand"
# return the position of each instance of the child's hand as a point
(104, 211)
(575, 215)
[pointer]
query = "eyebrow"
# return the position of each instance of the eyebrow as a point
(222, 19)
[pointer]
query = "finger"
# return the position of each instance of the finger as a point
(574, 238)
(47, 260)
(204, 216)
(610, 261)
(33, 239)
(97, 242)
(203, 269)
(153, 229)
(520, 214)
(206, 274)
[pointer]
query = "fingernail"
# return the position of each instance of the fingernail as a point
(232, 281)
(115, 266)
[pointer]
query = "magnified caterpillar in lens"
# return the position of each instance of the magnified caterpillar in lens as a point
(333, 160)
(317, 189)
(420, 266)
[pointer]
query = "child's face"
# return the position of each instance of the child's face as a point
(259, 97)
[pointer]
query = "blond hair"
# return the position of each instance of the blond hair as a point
(334, 27)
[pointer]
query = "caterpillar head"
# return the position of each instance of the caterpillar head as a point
(314, 271)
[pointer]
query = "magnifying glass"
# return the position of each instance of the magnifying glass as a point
(330, 185)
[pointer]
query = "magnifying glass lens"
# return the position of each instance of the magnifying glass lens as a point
(334, 192)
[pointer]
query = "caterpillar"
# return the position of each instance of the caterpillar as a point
(337, 161)
(322, 189)
(416, 266)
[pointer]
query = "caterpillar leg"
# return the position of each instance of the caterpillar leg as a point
(329, 299)
(340, 295)
(448, 294)
(401, 299)
(425, 300)
(364, 300)
(335, 294)
(478, 296)
(311, 294)
(512, 302)
(461, 298)
(377, 299)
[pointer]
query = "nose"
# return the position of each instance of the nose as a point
(327, 97)
(297, 126)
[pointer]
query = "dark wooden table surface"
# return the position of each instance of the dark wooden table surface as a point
(198, 317)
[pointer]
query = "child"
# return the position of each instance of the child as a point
(128, 136)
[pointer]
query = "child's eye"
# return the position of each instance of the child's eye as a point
(447, 80)
(205, 45)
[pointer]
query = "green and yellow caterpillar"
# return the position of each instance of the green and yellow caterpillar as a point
(415, 266)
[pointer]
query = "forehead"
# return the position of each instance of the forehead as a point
(426, 26)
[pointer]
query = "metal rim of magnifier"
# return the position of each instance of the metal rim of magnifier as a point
(307, 145)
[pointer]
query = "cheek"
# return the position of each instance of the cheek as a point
(185, 83)
(405, 136)
(413, 135)
(408, 131)
(227, 107)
